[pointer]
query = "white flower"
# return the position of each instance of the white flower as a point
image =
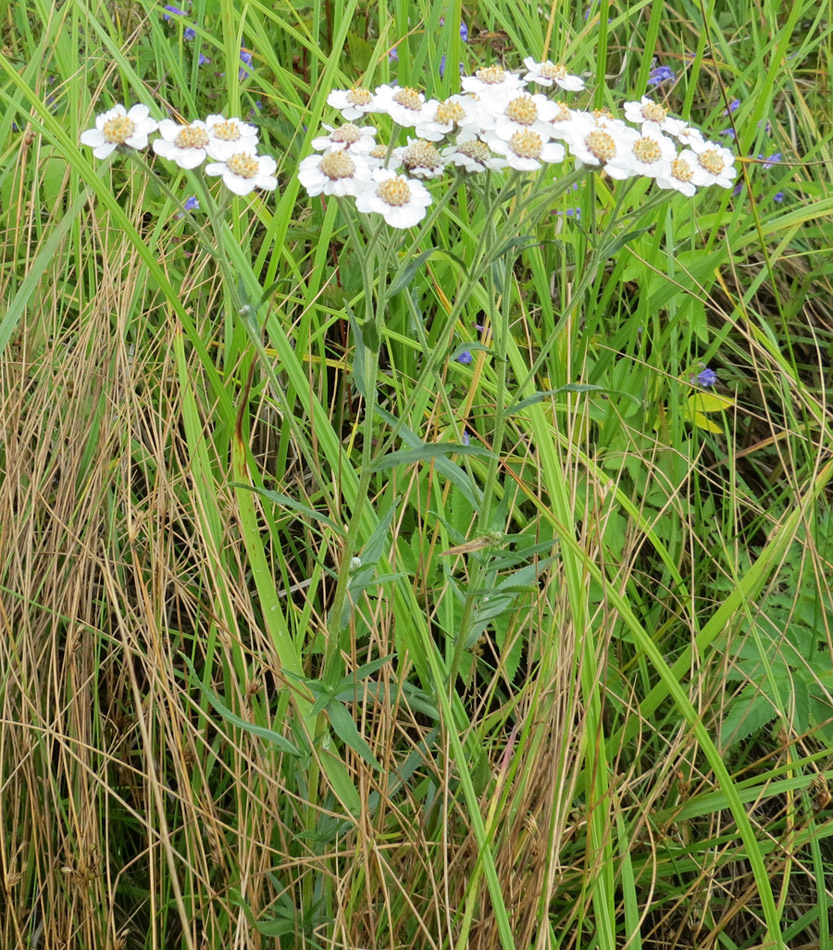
(522, 113)
(336, 172)
(562, 121)
(604, 143)
(183, 144)
(717, 163)
(682, 175)
(688, 135)
(492, 80)
(358, 140)
(472, 155)
(648, 111)
(406, 106)
(246, 170)
(119, 127)
(375, 158)
(352, 103)
(401, 201)
(650, 155)
(545, 74)
(456, 112)
(420, 158)
(526, 150)
(229, 136)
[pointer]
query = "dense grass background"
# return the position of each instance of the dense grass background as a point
(609, 722)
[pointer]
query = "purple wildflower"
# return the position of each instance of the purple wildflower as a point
(464, 32)
(202, 60)
(705, 378)
(737, 189)
(465, 438)
(245, 58)
(192, 203)
(733, 106)
(465, 358)
(778, 196)
(771, 160)
(660, 75)
(393, 56)
(189, 33)
(173, 10)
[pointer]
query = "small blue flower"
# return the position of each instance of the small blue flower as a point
(192, 203)
(771, 160)
(465, 438)
(189, 33)
(733, 106)
(202, 60)
(705, 378)
(464, 32)
(737, 189)
(778, 196)
(245, 58)
(465, 358)
(173, 10)
(661, 74)
(729, 132)
(393, 56)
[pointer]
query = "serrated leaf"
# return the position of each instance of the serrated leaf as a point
(748, 713)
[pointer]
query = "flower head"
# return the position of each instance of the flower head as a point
(607, 143)
(465, 358)
(401, 201)
(189, 33)
(406, 106)
(705, 378)
(492, 81)
(336, 172)
(545, 74)
(471, 154)
(353, 138)
(227, 136)
(245, 170)
(352, 103)
(715, 163)
(420, 158)
(661, 74)
(647, 111)
(183, 144)
(526, 150)
(171, 10)
(246, 69)
(119, 127)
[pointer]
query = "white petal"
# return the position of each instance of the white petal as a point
(92, 137)
(240, 186)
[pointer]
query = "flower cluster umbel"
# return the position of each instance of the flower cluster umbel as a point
(500, 120)
(231, 143)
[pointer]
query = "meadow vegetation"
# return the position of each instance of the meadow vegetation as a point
(465, 585)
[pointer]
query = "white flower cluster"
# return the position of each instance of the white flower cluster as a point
(497, 123)
(231, 143)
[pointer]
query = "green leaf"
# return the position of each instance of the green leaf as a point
(424, 452)
(287, 502)
(260, 731)
(345, 728)
(747, 714)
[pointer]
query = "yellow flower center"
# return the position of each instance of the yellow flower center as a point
(647, 150)
(449, 112)
(347, 134)
(681, 170)
(492, 75)
(653, 113)
(562, 114)
(337, 165)
(602, 145)
(117, 131)
(191, 137)
(550, 71)
(712, 161)
(526, 144)
(394, 191)
(600, 115)
(476, 150)
(359, 97)
(421, 154)
(227, 131)
(379, 151)
(243, 165)
(408, 98)
(522, 110)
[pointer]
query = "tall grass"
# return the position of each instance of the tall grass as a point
(578, 691)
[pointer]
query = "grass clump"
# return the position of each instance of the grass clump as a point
(451, 576)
